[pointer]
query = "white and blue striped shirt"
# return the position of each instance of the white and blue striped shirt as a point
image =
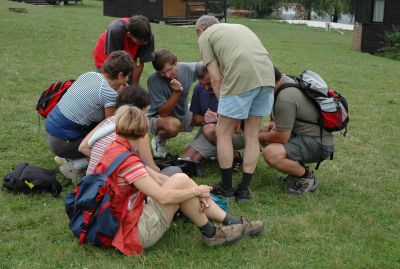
(85, 101)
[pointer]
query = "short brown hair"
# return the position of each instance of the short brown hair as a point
(133, 95)
(131, 122)
(139, 27)
(162, 57)
(118, 61)
(201, 70)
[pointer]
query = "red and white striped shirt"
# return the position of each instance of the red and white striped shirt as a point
(127, 238)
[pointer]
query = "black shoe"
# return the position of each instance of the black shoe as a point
(242, 195)
(237, 162)
(220, 191)
(199, 169)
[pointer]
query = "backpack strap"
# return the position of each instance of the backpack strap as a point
(117, 162)
(87, 214)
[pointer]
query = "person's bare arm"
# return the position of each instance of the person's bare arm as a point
(273, 136)
(157, 176)
(165, 196)
(84, 146)
(109, 111)
(137, 73)
(145, 153)
(216, 76)
(210, 116)
(166, 109)
(197, 120)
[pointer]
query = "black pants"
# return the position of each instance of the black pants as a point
(65, 148)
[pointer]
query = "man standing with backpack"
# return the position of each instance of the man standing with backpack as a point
(292, 139)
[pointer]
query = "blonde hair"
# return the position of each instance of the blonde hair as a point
(131, 122)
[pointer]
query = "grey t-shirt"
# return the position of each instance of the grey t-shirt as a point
(292, 104)
(115, 35)
(160, 90)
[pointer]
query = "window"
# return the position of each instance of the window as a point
(379, 11)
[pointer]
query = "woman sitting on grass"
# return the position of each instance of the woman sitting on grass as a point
(145, 223)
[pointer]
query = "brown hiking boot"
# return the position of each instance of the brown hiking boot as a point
(303, 185)
(252, 227)
(225, 235)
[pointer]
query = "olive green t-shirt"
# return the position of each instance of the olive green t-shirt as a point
(243, 60)
(292, 104)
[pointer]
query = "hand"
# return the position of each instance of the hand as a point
(238, 127)
(205, 204)
(202, 191)
(210, 116)
(176, 85)
(122, 87)
(271, 125)
(268, 127)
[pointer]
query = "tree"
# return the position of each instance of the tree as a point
(335, 7)
(265, 7)
(332, 7)
(262, 7)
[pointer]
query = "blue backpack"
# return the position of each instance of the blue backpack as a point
(88, 208)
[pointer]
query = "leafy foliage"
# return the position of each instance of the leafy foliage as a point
(335, 7)
(265, 7)
(391, 42)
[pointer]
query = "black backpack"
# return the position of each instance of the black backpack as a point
(189, 167)
(27, 179)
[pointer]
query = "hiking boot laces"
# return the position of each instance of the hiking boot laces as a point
(252, 227)
(225, 235)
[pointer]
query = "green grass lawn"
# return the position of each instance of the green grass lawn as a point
(353, 221)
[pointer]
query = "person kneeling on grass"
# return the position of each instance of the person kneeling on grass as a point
(90, 99)
(292, 140)
(146, 222)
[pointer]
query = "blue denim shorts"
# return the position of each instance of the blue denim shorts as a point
(256, 102)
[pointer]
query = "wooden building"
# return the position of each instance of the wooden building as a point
(373, 18)
(168, 11)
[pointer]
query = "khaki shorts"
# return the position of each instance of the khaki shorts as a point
(152, 223)
(306, 149)
(185, 127)
(206, 149)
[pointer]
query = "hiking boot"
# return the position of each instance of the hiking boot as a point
(303, 185)
(60, 161)
(288, 179)
(70, 173)
(220, 191)
(159, 147)
(237, 162)
(242, 195)
(225, 235)
(252, 227)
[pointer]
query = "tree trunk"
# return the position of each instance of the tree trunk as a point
(335, 16)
